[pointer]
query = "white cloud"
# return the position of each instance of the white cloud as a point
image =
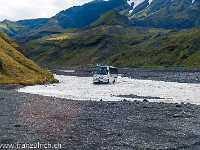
(29, 9)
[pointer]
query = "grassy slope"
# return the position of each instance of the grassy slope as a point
(11, 27)
(22, 33)
(111, 17)
(179, 14)
(16, 68)
(177, 49)
(87, 47)
(118, 45)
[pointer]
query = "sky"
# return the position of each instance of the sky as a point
(31, 9)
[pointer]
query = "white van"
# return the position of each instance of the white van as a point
(105, 74)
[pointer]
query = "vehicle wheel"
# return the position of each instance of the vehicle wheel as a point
(108, 81)
(114, 81)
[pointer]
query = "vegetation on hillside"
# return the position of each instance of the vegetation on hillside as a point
(179, 48)
(110, 18)
(11, 27)
(118, 45)
(168, 14)
(87, 47)
(75, 17)
(113, 39)
(16, 68)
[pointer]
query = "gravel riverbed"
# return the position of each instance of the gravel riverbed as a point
(123, 125)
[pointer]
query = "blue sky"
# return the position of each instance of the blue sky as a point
(30, 9)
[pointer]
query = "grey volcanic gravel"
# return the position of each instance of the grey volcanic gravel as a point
(90, 125)
(182, 75)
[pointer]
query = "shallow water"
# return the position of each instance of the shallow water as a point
(82, 88)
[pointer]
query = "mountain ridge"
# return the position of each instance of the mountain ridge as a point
(119, 46)
(167, 14)
(142, 40)
(114, 43)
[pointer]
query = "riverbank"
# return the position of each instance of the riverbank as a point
(123, 125)
(153, 84)
(91, 125)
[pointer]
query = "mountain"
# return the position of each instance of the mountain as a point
(74, 17)
(179, 48)
(11, 27)
(117, 45)
(168, 14)
(32, 22)
(16, 68)
(88, 47)
(80, 16)
(100, 32)
(110, 18)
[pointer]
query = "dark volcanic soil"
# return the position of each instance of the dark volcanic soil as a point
(91, 125)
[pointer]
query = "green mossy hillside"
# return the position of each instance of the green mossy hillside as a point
(178, 49)
(16, 68)
(10, 27)
(168, 14)
(110, 18)
(88, 47)
(118, 45)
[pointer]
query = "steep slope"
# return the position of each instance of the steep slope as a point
(118, 45)
(80, 16)
(168, 14)
(16, 68)
(179, 48)
(88, 47)
(110, 18)
(74, 17)
(10, 27)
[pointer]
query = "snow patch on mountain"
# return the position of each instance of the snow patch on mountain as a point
(150, 1)
(136, 3)
(192, 1)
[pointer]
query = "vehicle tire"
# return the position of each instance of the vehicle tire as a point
(108, 81)
(114, 81)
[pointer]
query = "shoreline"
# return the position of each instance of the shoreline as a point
(123, 125)
(137, 84)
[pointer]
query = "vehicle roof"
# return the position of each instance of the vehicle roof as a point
(104, 66)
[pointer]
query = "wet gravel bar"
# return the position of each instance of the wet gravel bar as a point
(90, 125)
